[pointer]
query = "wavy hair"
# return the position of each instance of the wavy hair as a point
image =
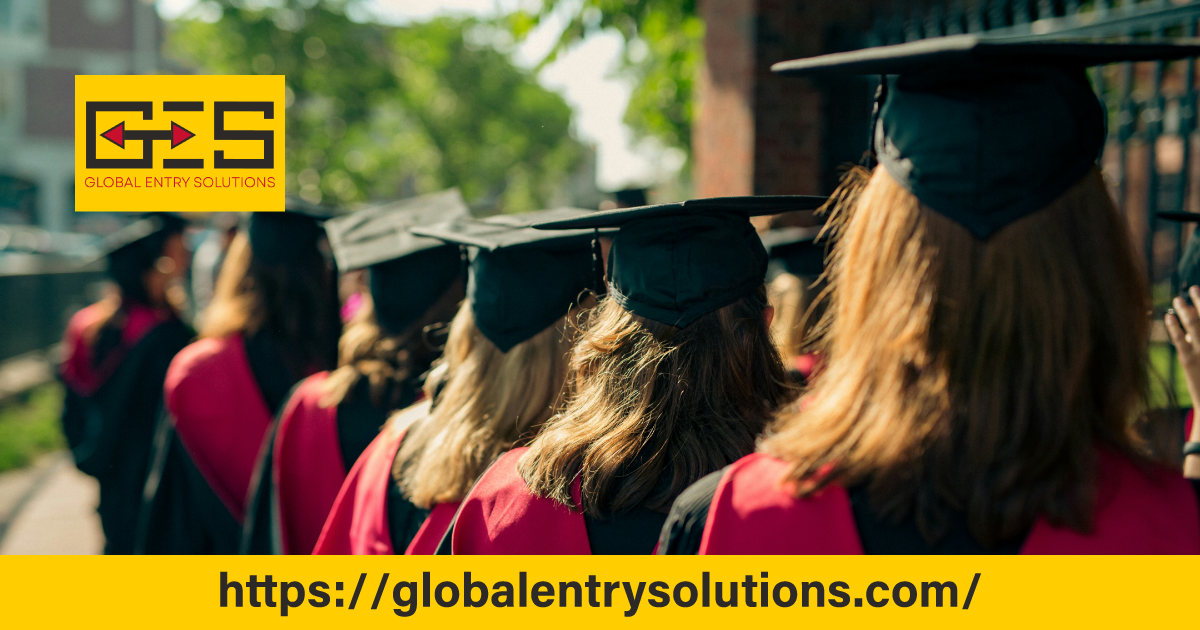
(487, 402)
(657, 407)
(974, 375)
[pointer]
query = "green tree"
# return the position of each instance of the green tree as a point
(664, 47)
(378, 111)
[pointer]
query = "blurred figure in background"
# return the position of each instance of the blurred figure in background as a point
(502, 375)
(116, 354)
(794, 288)
(210, 255)
(413, 284)
(273, 321)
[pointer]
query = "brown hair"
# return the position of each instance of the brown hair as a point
(488, 402)
(365, 350)
(294, 301)
(799, 306)
(974, 375)
(657, 407)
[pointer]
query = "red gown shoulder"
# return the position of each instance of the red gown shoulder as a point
(358, 523)
(501, 516)
(307, 467)
(1139, 511)
(219, 413)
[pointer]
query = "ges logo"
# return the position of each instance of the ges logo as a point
(179, 143)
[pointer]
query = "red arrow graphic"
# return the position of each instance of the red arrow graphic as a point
(116, 135)
(179, 135)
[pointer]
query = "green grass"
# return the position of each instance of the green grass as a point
(1161, 358)
(30, 427)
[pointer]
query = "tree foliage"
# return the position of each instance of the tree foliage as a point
(378, 111)
(664, 47)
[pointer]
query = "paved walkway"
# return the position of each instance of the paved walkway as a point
(55, 510)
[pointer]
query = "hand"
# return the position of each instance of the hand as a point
(1183, 326)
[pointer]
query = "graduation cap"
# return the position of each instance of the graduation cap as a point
(986, 131)
(409, 273)
(796, 250)
(277, 237)
(136, 247)
(674, 262)
(630, 197)
(521, 280)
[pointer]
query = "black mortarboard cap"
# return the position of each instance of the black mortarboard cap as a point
(674, 262)
(986, 131)
(408, 273)
(630, 197)
(134, 248)
(796, 249)
(277, 237)
(522, 280)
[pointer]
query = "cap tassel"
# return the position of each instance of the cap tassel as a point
(598, 265)
(870, 158)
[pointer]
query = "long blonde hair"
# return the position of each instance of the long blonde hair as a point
(657, 407)
(972, 375)
(366, 350)
(488, 402)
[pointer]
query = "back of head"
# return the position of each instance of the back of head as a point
(127, 265)
(490, 401)
(656, 407)
(974, 374)
(294, 301)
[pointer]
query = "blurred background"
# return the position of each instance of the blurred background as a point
(523, 105)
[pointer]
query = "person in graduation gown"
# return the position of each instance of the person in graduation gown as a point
(674, 375)
(115, 357)
(503, 373)
(794, 290)
(415, 283)
(273, 321)
(988, 335)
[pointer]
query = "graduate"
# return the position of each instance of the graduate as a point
(502, 375)
(988, 332)
(272, 322)
(415, 283)
(115, 357)
(794, 290)
(674, 375)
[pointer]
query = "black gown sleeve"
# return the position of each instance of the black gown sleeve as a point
(684, 527)
(180, 512)
(404, 519)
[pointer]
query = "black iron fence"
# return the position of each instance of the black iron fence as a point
(35, 304)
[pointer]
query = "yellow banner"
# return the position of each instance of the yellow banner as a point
(180, 143)
(626, 592)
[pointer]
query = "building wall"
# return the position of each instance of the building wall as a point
(759, 133)
(54, 41)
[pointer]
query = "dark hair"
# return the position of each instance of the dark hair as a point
(656, 407)
(295, 301)
(128, 266)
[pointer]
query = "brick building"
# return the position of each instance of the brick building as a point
(43, 45)
(761, 134)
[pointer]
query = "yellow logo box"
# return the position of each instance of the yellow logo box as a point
(179, 143)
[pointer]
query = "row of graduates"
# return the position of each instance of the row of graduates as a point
(983, 359)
